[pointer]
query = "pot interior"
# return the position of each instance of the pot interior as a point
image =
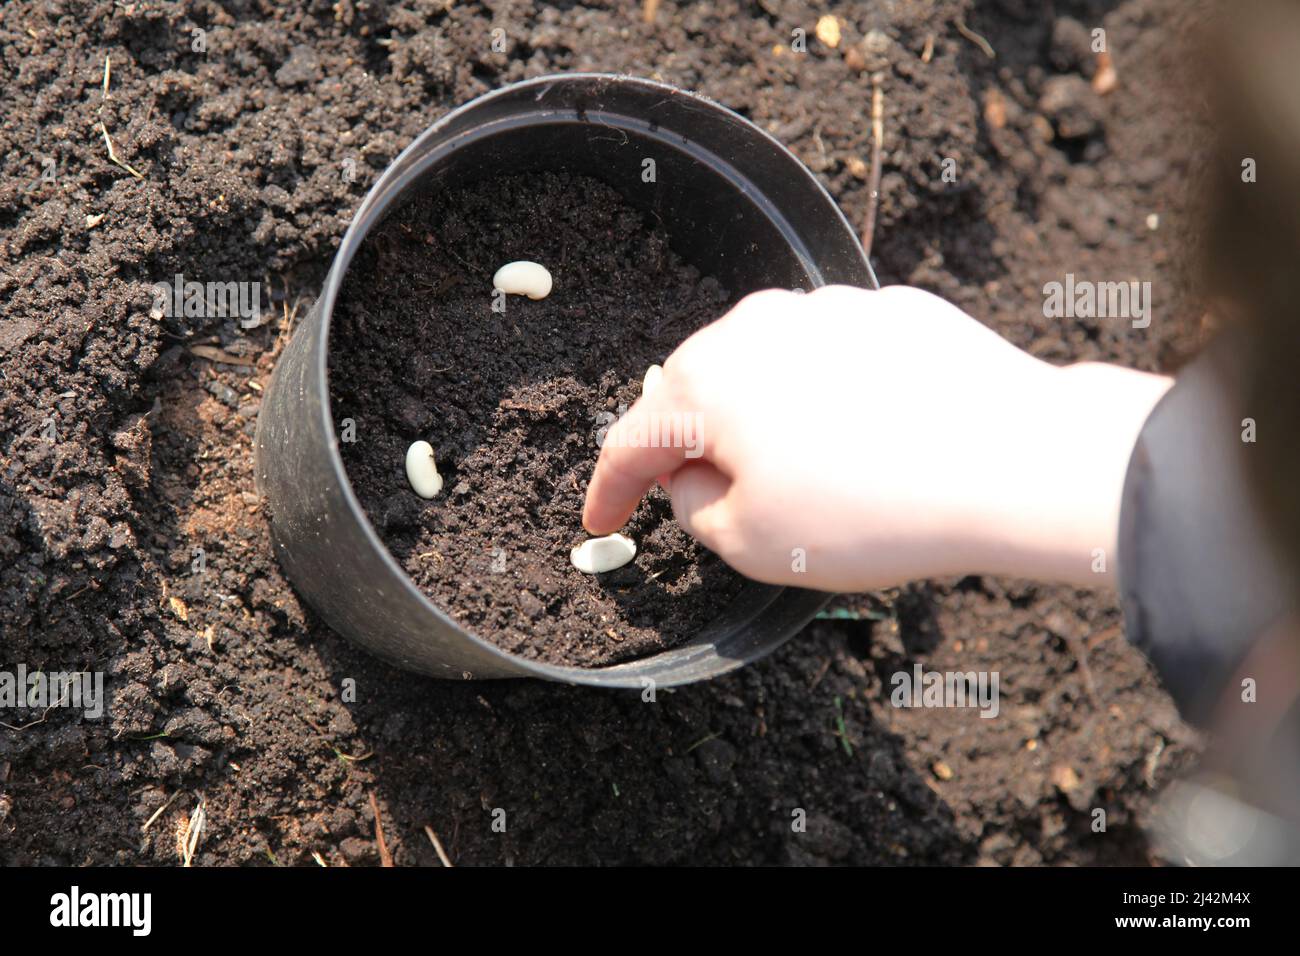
(718, 220)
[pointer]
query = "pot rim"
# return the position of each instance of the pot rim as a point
(408, 167)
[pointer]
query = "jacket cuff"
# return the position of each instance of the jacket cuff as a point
(1198, 580)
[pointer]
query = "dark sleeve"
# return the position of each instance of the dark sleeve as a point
(1198, 581)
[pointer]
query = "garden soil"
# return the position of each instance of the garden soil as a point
(232, 142)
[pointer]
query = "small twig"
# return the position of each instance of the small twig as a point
(103, 98)
(194, 830)
(385, 858)
(1102, 636)
(1080, 651)
(214, 354)
(873, 184)
(160, 811)
(437, 846)
(352, 758)
(975, 38)
(649, 10)
(112, 154)
(44, 714)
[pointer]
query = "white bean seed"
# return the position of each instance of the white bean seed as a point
(653, 375)
(523, 278)
(422, 471)
(598, 555)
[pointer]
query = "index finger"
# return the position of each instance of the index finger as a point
(656, 437)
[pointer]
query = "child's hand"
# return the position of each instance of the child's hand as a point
(851, 440)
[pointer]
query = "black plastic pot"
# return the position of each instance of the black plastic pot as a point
(734, 202)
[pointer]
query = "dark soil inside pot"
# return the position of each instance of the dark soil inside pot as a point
(513, 403)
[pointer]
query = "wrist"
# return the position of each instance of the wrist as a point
(1055, 514)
